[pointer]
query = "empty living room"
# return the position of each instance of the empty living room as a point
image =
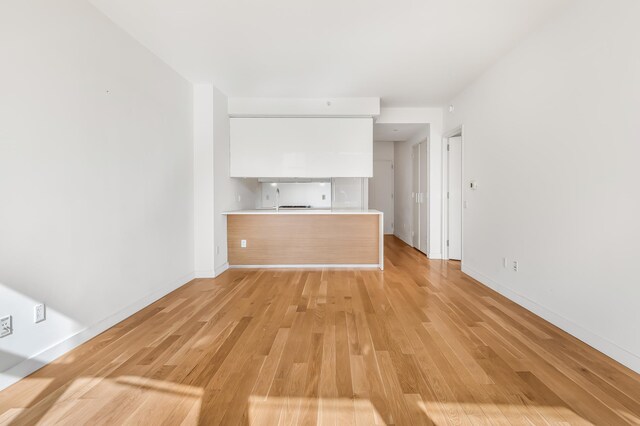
(325, 212)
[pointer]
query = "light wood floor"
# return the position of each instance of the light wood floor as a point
(419, 343)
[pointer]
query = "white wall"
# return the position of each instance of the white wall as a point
(402, 202)
(215, 191)
(229, 193)
(383, 151)
(204, 242)
(551, 135)
(96, 178)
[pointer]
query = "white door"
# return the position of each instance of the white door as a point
(455, 198)
(381, 191)
(416, 195)
(424, 201)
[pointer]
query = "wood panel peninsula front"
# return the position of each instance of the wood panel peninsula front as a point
(299, 238)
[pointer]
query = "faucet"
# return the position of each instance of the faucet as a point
(277, 200)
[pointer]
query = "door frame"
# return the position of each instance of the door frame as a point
(455, 132)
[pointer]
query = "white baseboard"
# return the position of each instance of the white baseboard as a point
(435, 256)
(212, 273)
(407, 240)
(309, 266)
(35, 362)
(221, 269)
(600, 343)
(205, 273)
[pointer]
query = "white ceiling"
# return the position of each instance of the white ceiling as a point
(396, 132)
(408, 52)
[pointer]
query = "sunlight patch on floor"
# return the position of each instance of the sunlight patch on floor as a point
(297, 410)
(160, 386)
(443, 412)
(9, 416)
(31, 387)
(150, 397)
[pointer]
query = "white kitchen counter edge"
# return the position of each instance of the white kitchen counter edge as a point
(301, 211)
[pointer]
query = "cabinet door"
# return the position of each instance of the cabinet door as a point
(301, 147)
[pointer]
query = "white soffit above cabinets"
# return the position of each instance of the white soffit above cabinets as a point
(408, 52)
(386, 132)
(298, 107)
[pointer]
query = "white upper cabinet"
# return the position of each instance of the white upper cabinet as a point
(301, 147)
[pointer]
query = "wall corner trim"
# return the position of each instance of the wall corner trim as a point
(37, 361)
(205, 273)
(599, 343)
(220, 269)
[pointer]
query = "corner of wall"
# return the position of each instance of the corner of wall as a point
(41, 359)
(600, 343)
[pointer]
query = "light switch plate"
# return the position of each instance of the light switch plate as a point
(6, 326)
(243, 243)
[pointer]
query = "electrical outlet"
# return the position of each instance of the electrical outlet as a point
(504, 263)
(6, 326)
(39, 313)
(243, 243)
(515, 266)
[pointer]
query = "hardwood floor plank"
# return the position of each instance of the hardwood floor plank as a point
(420, 343)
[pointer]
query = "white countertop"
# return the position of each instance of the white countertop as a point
(302, 211)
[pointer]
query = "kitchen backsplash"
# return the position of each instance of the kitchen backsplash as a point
(313, 194)
(336, 193)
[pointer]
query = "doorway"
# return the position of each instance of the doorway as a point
(381, 191)
(453, 195)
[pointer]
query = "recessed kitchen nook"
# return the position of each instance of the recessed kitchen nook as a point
(312, 171)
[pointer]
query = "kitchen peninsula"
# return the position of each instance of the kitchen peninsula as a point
(305, 237)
